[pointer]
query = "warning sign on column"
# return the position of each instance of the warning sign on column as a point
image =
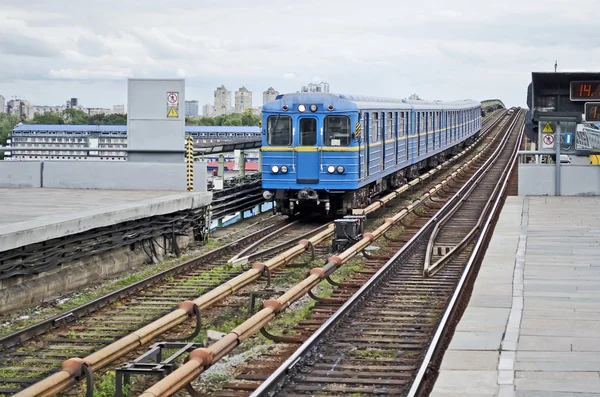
(173, 113)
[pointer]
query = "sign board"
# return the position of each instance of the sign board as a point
(547, 141)
(592, 111)
(172, 105)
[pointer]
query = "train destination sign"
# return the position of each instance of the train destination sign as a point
(592, 111)
(585, 90)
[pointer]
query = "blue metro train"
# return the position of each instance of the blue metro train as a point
(331, 153)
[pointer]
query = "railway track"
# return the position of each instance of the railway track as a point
(44, 355)
(382, 341)
(266, 362)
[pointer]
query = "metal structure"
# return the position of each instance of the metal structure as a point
(553, 97)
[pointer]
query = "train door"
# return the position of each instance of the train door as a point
(389, 141)
(308, 161)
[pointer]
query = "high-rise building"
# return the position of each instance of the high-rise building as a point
(243, 100)
(20, 108)
(312, 87)
(222, 101)
(208, 110)
(269, 95)
(119, 109)
(191, 108)
(2, 104)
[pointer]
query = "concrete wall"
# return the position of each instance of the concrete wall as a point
(20, 174)
(576, 180)
(101, 175)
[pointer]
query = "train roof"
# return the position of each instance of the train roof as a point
(346, 102)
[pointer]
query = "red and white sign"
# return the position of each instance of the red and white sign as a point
(173, 98)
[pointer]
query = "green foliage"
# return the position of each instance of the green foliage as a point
(235, 119)
(106, 386)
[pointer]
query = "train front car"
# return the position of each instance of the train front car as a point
(309, 152)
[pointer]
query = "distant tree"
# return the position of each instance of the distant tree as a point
(96, 119)
(115, 119)
(234, 119)
(48, 118)
(76, 116)
(7, 123)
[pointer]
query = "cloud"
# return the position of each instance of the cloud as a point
(16, 44)
(466, 49)
(85, 74)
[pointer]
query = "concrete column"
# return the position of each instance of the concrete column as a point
(242, 163)
(221, 172)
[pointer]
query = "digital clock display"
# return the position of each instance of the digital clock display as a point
(585, 90)
(592, 111)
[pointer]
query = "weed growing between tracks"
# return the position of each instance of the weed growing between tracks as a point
(14, 321)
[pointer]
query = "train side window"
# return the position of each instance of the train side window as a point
(375, 128)
(337, 131)
(279, 130)
(388, 126)
(401, 125)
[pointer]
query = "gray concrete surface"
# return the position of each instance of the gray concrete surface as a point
(532, 327)
(32, 215)
(122, 175)
(20, 174)
(575, 180)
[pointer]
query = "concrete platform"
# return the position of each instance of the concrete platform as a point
(532, 327)
(29, 216)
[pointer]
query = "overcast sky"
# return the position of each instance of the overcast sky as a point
(51, 50)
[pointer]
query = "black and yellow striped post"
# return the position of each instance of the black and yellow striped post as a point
(189, 159)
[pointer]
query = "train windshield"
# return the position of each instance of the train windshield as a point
(308, 132)
(337, 131)
(279, 130)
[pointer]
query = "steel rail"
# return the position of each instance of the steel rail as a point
(428, 268)
(72, 369)
(278, 377)
(202, 358)
(73, 314)
(434, 347)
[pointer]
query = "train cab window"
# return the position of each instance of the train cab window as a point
(308, 132)
(279, 130)
(337, 131)
(388, 126)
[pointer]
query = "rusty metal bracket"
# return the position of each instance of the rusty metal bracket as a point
(280, 339)
(192, 392)
(254, 294)
(312, 250)
(314, 297)
(266, 272)
(89, 380)
(197, 329)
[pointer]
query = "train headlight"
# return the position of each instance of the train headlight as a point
(313, 108)
(301, 108)
(331, 169)
(340, 169)
(284, 169)
(274, 169)
(285, 108)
